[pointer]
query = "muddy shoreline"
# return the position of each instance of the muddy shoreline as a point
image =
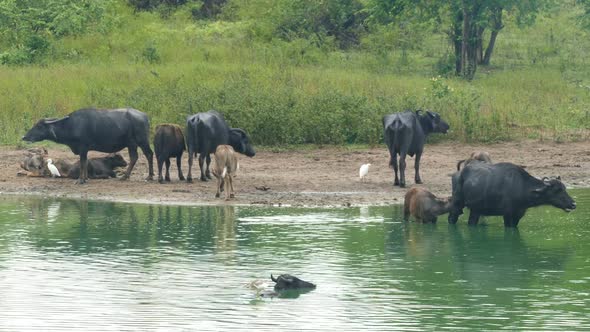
(324, 177)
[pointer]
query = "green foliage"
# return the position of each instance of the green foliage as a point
(304, 88)
(29, 27)
(340, 20)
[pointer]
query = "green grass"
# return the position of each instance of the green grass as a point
(296, 93)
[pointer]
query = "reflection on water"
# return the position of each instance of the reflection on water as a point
(67, 264)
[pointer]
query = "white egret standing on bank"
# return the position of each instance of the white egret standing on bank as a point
(364, 171)
(52, 169)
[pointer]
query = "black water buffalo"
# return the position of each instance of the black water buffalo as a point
(405, 134)
(98, 168)
(168, 143)
(287, 281)
(98, 130)
(503, 189)
(206, 131)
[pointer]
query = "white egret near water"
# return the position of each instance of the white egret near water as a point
(363, 171)
(52, 169)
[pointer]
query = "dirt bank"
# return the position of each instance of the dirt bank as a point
(322, 177)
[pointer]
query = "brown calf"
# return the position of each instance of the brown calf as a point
(424, 206)
(226, 166)
(477, 155)
(168, 143)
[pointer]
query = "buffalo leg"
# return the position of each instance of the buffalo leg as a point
(167, 170)
(402, 169)
(219, 185)
(160, 166)
(178, 165)
(207, 172)
(231, 186)
(394, 164)
(417, 168)
(227, 187)
(202, 166)
(132, 160)
(512, 220)
(406, 210)
(149, 155)
(473, 218)
(83, 167)
(191, 154)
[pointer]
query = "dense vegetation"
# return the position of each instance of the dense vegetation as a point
(296, 71)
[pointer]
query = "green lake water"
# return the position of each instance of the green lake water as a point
(68, 264)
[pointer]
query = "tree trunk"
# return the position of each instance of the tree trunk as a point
(464, 38)
(456, 35)
(497, 17)
(480, 31)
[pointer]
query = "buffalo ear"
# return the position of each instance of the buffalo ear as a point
(418, 112)
(558, 178)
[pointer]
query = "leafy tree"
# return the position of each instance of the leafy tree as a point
(466, 22)
(27, 26)
(338, 19)
(153, 4)
(585, 17)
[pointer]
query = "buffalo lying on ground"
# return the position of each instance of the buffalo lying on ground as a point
(169, 143)
(34, 162)
(98, 130)
(477, 155)
(206, 131)
(405, 134)
(98, 168)
(424, 206)
(503, 189)
(287, 281)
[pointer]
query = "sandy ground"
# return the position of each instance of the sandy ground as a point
(321, 177)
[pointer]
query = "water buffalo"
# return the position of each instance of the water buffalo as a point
(477, 155)
(226, 167)
(98, 168)
(405, 134)
(206, 131)
(503, 189)
(287, 281)
(168, 143)
(98, 130)
(34, 162)
(424, 206)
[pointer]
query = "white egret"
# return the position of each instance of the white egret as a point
(52, 169)
(364, 171)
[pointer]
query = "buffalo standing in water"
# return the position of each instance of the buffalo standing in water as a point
(503, 189)
(98, 130)
(405, 134)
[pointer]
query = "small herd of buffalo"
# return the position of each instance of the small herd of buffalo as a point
(487, 189)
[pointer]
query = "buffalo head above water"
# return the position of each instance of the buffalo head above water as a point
(287, 281)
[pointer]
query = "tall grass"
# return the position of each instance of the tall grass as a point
(290, 93)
